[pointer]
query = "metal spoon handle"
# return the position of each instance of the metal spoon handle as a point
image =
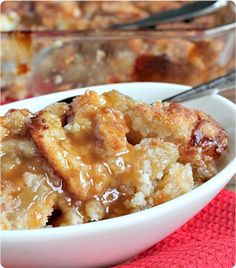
(188, 11)
(214, 86)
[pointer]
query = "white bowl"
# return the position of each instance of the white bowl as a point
(116, 240)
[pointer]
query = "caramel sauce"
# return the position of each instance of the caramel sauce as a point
(16, 167)
(84, 145)
(113, 178)
(24, 179)
(78, 163)
(120, 174)
(117, 207)
(117, 187)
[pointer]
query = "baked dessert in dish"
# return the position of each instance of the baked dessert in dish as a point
(100, 157)
(91, 15)
(39, 58)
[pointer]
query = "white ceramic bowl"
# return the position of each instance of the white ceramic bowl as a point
(116, 240)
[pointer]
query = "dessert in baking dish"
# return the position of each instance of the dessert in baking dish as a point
(91, 15)
(101, 157)
(43, 59)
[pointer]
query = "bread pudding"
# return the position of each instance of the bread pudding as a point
(39, 57)
(92, 15)
(100, 157)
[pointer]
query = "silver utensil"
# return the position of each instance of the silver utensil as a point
(219, 84)
(188, 11)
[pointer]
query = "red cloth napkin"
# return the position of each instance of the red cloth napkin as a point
(206, 241)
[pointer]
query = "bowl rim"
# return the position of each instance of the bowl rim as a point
(93, 227)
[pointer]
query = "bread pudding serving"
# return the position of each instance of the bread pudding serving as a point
(100, 157)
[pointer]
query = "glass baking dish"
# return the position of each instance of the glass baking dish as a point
(36, 63)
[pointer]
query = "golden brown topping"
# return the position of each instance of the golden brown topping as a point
(16, 121)
(101, 157)
(110, 130)
(50, 137)
(201, 140)
(30, 191)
